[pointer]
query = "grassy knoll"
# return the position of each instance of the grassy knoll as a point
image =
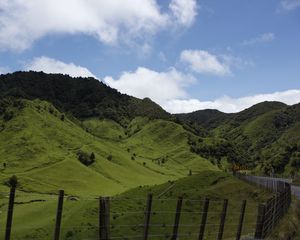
(34, 214)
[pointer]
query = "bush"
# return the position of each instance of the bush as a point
(109, 157)
(85, 158)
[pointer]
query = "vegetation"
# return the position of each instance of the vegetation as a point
(88, 97)
(264, 137)
(77, 134)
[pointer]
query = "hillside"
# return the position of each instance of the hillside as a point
(264, 136)
(48, 151)
(82, 97)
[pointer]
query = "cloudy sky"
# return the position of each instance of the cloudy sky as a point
(186, 55)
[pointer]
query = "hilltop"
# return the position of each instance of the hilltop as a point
(82, 97)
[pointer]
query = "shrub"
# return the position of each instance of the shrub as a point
(62, 117)
(109, 157)
(85, 158)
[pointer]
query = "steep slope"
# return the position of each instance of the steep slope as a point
(83, 97)
(47, 151)
(263, 136)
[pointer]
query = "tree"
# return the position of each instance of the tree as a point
(12, 181)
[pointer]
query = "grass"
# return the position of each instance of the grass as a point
(35, 219)
(42, 152)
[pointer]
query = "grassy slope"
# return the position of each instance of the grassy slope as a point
(36, 220)
(264, 137)
(42, 149)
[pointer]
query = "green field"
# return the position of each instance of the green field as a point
(34, 214)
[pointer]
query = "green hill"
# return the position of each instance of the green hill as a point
(82, 97)
(48, 151)
(264, 136)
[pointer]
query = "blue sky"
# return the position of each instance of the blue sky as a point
(184, 54)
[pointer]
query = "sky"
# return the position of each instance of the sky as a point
(185, 55)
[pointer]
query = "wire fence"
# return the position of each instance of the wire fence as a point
(270, 212)
(154, 217)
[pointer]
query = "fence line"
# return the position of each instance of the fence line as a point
(270, 212)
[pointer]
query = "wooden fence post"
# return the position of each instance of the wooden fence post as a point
(260, 221)
(147, 216)
(10, 212)
(59, 214)
(107, 218)
(223, 218)
(241, 220)
(177, 219)
(204, 218)
(104, 218)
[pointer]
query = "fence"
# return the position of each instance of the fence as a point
(270, 212)
(181, 217)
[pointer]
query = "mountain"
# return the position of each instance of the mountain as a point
(53, 125)
(264, 136)
(82, 97)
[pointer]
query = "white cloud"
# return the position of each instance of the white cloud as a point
(230, 105)
(185, 11)
(50, 65)
(290, 4)
(23, 22)
(159, 86)
(263, 38)
(201, 61)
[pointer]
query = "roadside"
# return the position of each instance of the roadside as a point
(289, 227)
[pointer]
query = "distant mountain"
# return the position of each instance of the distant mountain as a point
(208, 118)
(211, 118)
(265, 136)
(83, 97)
